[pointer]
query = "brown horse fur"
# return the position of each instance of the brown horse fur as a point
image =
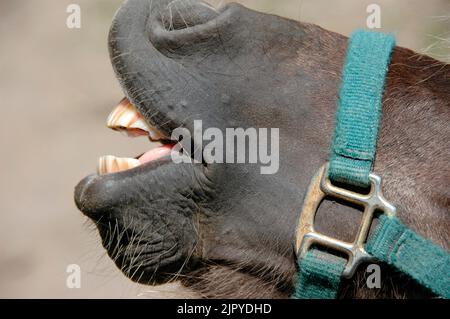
(224, 230)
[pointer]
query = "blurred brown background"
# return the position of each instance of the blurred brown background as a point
(57, 88)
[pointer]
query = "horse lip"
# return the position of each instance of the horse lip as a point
(95, 193)
(82, 189)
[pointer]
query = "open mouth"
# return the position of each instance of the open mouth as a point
(139, 204)
(126, 118)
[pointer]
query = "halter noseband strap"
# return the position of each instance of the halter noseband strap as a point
(351, 163)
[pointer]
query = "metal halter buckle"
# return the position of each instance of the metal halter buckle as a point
(321, 187)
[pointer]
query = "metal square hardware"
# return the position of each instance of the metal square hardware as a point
(321, 187)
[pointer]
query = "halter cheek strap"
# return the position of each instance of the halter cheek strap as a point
(360, 108)
(351, 163)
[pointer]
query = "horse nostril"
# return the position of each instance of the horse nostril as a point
(180, 25)
(183, 14)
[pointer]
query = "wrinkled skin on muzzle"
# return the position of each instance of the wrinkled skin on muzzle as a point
(229, 67)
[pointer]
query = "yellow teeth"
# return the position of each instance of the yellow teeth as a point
(111, 164)
(126, 118)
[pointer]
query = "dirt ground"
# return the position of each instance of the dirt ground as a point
(57, 88)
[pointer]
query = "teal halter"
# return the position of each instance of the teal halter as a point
(351, 163)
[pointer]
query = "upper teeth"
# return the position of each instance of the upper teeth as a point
(126, 118)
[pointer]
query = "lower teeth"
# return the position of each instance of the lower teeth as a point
(111, 164)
